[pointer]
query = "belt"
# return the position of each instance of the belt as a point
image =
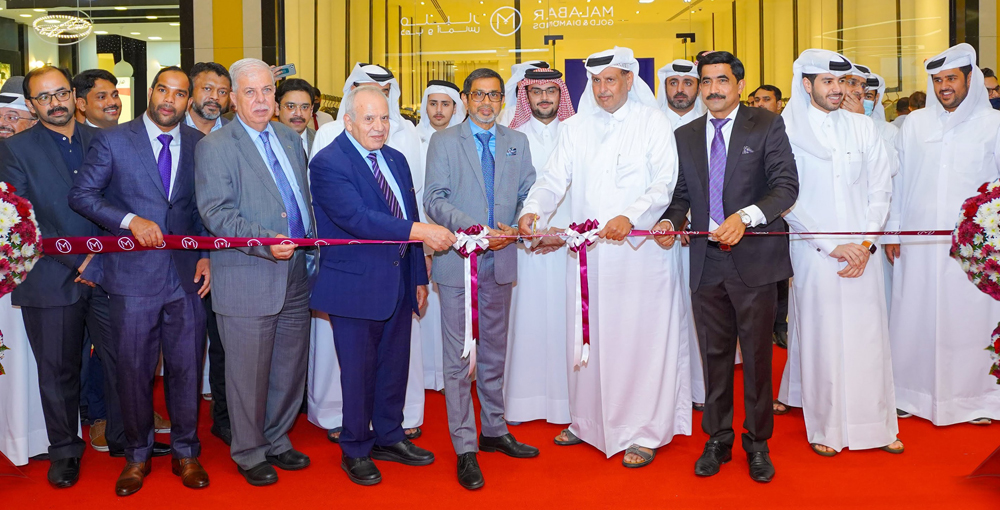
(720, 246)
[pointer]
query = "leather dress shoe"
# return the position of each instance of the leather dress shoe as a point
(223, 433)
(159, 450)
(698, 406)
(64, 473)
(403, 452)
(715, 455)
(780, 338)
(361, 471)
(469, 474)
(193, 476)
(130, 481)
(291, 460)
(508, 445)
(260, 475)
(761, 469)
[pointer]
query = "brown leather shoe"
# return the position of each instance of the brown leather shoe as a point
(130, 481)
(192, 474)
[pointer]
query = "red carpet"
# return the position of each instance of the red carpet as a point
(931, 474)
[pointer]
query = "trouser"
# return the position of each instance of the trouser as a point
(216, 367)
(726, 309)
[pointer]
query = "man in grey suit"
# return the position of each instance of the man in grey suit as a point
(478, 173)
(251, 182)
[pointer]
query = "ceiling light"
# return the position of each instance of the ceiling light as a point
(101, 32)
(154, 38)
(121, 8)
(150, 17)
(134, 33)
(25, 15)
(52, 21)
(39, 10)
(175, 24)
(65, 30)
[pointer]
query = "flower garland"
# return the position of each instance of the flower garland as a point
(19, 241)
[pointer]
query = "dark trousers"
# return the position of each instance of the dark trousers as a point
(374, 364)
(781, 315)
(173, 322)
(57, 337)
(91, 384)
(725, 309)
(216, 367)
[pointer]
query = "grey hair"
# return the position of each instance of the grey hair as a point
(347, 104)
(245, 66)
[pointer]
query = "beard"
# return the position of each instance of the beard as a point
(48, 117)
(825, 102)
(488, 119)
(201, 111)
(548, 111)
(680, 101)
(165, 120)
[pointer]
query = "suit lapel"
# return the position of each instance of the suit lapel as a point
(248, 151)
(140, 141)
(398, 175)
(185, 167)
(360, 165)
(500, 160)
(51, 150)
(700, 149)
(743, 124)
(469, 145)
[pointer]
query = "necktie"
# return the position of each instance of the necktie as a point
(390, 197)
(296, 229)
(163, 162)
(488, 168)
(717, 173)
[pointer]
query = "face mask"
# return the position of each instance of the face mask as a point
(995, 103)
(869, 107)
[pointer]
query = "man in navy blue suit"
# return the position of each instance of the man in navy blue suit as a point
(138, 178)
(362, 189)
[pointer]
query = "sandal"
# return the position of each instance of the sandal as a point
(981, 421)
(893, 450)
(569, 442)
(636, 450)
(815, 448)
(415, 434)
(334, 438)
(778, 412)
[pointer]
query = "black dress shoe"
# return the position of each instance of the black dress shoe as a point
(159, 450)
(507, 444)
(223, 433)
(260, 475)
(715, 455)
(292, 460)
(700, 407)
(64, 473)
(361, 471)
(403, 452)
(780, 338)
(761, 469)
(469, 474)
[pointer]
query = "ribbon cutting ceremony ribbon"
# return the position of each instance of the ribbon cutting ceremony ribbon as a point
(471, 242)
(579, 237)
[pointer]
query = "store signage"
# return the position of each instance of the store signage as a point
(507, 21)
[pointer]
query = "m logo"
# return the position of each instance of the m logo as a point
(320, 242)
(162, 245)
(221, 243)
(253, 242)
(63, 246)
(126, 244)
(287, 242)
(94, 245)
(505, 21)
(189, 244)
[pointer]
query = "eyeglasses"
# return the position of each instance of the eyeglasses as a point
(13, 118)
(292, 107)
(994, 89)
(479, 95)
(61, 96)
(537, 92)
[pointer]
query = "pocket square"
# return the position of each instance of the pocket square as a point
(747, 150)
(512, 151)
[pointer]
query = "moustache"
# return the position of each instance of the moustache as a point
(56, 110)
(209, 102)
(545, 103)
(715, 96)
(680, 95)
(111, 109)
(297, 119)
(6, 129)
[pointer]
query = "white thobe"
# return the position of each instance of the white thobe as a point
(940, 322)
(430, 320)
(22, 428)
(839, 333)
(888, 133)
(325, 399)
(622, 164)
(536, 385)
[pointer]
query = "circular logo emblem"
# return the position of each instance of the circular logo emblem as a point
(221, 243)
(253, 242)
(320, 242)
(126, 244)
(925, 233)
(161, 246)
(189, 244)
(63, 246)
(94, 245)
(505, 21)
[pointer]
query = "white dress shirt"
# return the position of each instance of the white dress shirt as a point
(756, 215)
(153, 132)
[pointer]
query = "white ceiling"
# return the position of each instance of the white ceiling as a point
(145, 31)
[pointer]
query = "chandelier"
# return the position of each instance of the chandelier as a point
(63, 30)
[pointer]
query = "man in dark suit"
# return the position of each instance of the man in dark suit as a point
(251, 181)
(138, 178)
(362, 190)
(737, 173)
(55, 300)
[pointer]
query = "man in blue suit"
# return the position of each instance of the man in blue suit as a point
(138, 178)
(362, 190)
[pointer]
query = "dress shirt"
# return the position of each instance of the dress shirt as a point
(305, 140)
(190, 123)
(383, 168)
(286, 165)
(493, 139)
(70, 149)
(756, 215)
(153, 132)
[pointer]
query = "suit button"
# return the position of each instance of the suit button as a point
(170, 233)
(284, 215)
(171, 206)
(396, 263)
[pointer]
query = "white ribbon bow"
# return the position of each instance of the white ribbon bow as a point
(470, 243)
(581, 351)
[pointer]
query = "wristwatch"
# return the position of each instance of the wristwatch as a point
(744, 217)
(871, 246)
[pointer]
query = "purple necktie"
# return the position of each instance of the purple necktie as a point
(390, 197)
(163, 162)
(717, 173)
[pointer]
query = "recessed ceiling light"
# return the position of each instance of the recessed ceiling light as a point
(150, 17)
(101, 32)
(121, 8)
(134, 33)
(154, 38)
(39, 10)
(25, 15)
(175, 24)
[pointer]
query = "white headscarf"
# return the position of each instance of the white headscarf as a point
(978, 99)
(679, 67)
(510, 89)
(621, 58)
(877, 82)
(369, 73)
(796, 114)
(13, 101)
(424, 127)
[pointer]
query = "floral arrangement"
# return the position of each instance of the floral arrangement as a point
(975, 244)
(19, 241)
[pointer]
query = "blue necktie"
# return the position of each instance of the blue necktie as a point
(296, 229)
(717, 173)
(488, 168)
(163, 162)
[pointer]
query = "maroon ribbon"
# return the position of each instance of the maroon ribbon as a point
(581, 250)
(473, 290)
